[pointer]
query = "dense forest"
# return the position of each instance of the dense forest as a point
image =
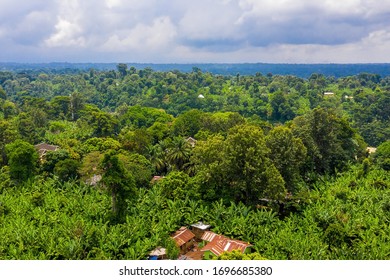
(299, 70)
(281, 162)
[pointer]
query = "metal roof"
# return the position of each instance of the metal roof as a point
(158, 252)
(201, 226)
(208, 236)
(182, 236)
(45, 146)
(220, 244)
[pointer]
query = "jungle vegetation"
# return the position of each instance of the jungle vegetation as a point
(278, 161)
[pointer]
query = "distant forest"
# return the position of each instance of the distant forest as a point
(299, 70)
(109, 163)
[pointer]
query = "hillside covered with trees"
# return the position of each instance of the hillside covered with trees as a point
(280, 162)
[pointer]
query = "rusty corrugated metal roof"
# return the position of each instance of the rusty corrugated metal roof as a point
(182, 236)
(208, 236)
(215, 246)
(220, 244)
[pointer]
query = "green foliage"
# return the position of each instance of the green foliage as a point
(178, 153)
(137, 117)
(119, 182)
(382, 155)
(140, 168)
(3, 94)
(8, 133)
(178, 185)
(135, 140)
(22, 160)
(51, 158)
(53, 220)
(247, 166)
(188, 123)
(67, 169)
(62, 133)
(91, 165)
(260, 139)
(238, 168)
(103, 124)
(100, 144)
(237, 255)
(330, 141)
(287, 154)
(60, 107)
(9, 109)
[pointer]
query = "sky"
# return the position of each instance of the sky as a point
(195, 31)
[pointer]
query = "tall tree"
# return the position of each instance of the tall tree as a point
(122, 69)
(329, 139)
(22, 160)
(382, 155)
(8, 133)
(179, 153)
(287, 154)
(248, 167)
(76, 104)
(188, 123)
(119, 182)
(237, 168)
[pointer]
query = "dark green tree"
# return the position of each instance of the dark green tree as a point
(3, 94)
(330, 141)
(287, 154)
(382, 155)
(119, 182)
(104, 124)
(135, 140)
(248, 168)
(188, 123)
(122, 69)
(67, 169)
(237, 168)
(52, 158)
(138, 166)
(178, 153)
(22, 160)
(76, 104)
(178, 185)
(8, 133)
(60, 107)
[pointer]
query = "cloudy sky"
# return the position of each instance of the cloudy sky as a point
(185, 31)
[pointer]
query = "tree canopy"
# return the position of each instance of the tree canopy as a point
(128, 156)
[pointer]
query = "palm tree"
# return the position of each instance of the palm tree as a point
(156, 157)
(179, 153)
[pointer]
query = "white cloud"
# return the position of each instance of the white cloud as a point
(378, 38)
(202, 30)
(67, 34)
(210, 20)
(113, 3)
(68, 29)
(142, 37)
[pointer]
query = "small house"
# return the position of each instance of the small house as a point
(328, 93)
(199, 229)
(184, 239)
(156, 179)
(158, 254)
(191, 141)
(218, 244)
(43, 148)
